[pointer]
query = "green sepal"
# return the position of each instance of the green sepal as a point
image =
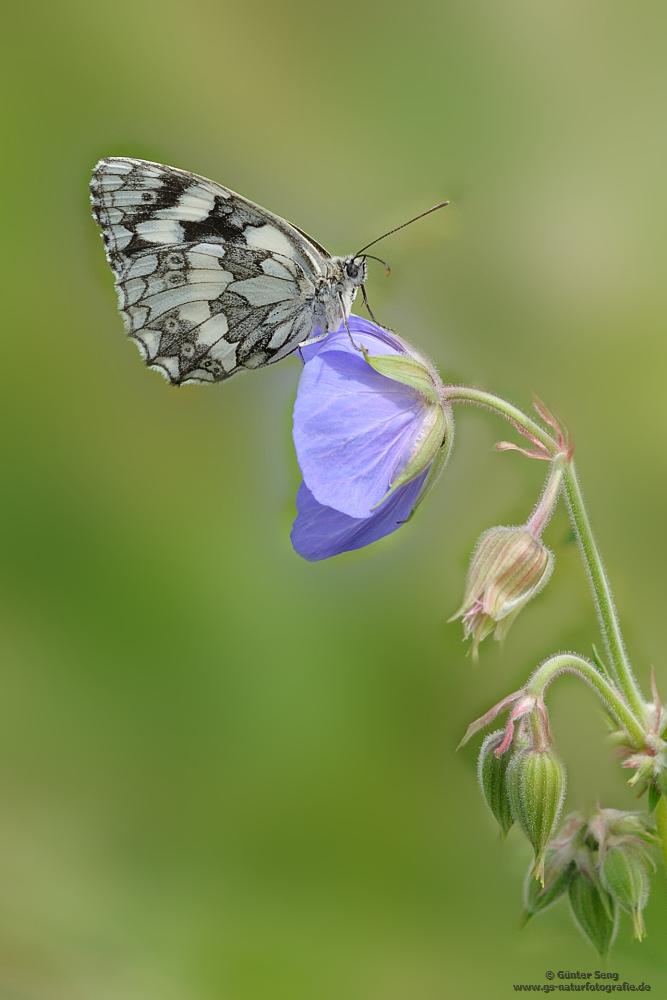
(625, 876)
(536, 787)
(537, 898)
(653, 797)
(403, 369)
(491, 774)
(661, 781)
(434, 447)
(439, 462)
(427, 450)
(594, 911)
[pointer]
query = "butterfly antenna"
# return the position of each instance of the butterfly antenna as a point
(408, 223)
(373, 257)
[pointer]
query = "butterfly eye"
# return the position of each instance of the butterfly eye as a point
(352, 269)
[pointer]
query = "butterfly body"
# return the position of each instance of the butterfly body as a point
(209, 283)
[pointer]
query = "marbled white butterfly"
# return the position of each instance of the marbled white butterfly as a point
(209, 283)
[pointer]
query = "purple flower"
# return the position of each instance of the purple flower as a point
(369, 428)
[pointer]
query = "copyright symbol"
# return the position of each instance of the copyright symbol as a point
(549, 974)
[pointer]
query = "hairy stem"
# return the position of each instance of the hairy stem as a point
(609, 624)
(539, 519)
(661, 822)
(489, 400)
(568, 663)
(604, 602)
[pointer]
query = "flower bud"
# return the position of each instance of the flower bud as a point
(625, 876)
(536, 786)
(508, 567)
(607, 826)
(491, 772)
(594, 911)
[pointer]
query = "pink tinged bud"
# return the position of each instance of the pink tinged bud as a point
(624, 874)
(491, 773)
(521, 702)
(594, 911)
(522, 708)
(508, 567)
(536, 786)
(645, 764)
(608, 826)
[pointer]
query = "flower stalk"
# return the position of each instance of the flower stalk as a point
(373, 429)
(539, 519)
(490, 401)
(604, 601)
(609, 624)
(569, 663)
(661, 823)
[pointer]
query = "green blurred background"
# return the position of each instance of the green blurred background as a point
(227, 773)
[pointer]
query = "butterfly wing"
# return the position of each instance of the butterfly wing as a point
(208, 282)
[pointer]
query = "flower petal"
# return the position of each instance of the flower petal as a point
(320, 532)
(354, 427)
(374, 339)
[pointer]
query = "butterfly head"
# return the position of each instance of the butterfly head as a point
(355, 269)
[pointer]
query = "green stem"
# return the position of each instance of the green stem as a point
(661, 822)
(466, 394)
(568, 663)
(609, 624)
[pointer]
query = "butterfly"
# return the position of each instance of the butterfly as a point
(208, 283)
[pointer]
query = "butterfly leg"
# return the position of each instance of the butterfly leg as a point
(367, 304)
(370, 311)
(342, 307)
(313, 340)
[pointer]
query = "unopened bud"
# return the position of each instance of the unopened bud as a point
(625, 876)
(608, 826)
(594, 911)
(491, 772)
(508, 567)
(650, 766)
(536, 786)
